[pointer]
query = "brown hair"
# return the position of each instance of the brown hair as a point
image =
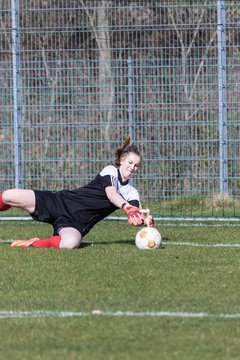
(125, 149)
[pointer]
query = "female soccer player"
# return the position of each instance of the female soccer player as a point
(73, 213)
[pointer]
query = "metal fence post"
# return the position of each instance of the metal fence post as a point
(131, 99)
(222, 93)
(17, 100)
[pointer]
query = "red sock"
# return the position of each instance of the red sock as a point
(3, 206)
(52, 242)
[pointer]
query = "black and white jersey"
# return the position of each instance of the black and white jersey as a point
(82, 208)
(110, 176)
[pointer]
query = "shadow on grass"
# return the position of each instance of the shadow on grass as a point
(117, 242)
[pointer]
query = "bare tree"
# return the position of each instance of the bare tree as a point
(99, 23)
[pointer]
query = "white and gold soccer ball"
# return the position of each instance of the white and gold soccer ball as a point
(148, 238)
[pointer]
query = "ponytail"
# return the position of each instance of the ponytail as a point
(126, 148)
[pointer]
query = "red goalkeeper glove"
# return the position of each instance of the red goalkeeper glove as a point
(134, 215)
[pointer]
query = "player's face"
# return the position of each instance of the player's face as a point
(129, 164)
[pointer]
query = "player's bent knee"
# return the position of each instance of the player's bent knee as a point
(69, 243)
(70, 238)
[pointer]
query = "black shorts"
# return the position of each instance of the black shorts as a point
(51, 209)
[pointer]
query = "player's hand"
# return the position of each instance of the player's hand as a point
(134, 215)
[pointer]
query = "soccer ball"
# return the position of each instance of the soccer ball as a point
(148, 239)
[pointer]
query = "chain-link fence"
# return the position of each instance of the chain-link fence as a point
(77, 76)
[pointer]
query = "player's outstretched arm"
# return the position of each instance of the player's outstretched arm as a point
(114, 196)
(134, 214)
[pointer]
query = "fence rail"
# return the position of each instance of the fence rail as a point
(76, 77)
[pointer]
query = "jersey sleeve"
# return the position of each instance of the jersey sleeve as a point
(108, 176)
(135, 202)
(132, 196)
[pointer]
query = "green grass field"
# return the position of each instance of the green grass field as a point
(178, 302)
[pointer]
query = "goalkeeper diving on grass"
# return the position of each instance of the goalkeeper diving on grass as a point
(73, 213)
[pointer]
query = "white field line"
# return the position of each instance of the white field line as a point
(176, 314)
(171, 243)
(222, 225)
(182, 243)
(160, 222)
(157, 219)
